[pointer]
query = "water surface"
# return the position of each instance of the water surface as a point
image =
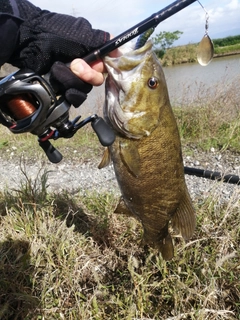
(191, 79)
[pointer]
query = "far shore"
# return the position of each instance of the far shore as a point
(219, 55)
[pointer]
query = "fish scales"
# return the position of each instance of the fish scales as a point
(147, 154)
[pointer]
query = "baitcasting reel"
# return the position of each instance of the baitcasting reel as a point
(28, 104)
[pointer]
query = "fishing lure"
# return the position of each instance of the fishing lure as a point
(205, 49)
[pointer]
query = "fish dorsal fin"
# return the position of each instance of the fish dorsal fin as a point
(106, 159)
(130, 156)
(184, 219)
(122, 208)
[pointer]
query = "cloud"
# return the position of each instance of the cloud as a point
(233, 5)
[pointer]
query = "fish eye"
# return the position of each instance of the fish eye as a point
(152, 83)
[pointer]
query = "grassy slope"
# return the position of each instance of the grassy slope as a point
(70, 257)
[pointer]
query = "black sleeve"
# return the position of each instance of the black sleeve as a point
(9, 29)
(44, 37)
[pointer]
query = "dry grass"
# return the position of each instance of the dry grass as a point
(181, 54)
(212, 118)
(65, 257)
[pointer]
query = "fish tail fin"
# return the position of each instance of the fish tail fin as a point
(184, 219)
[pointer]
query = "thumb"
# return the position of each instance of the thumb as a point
(86, 73)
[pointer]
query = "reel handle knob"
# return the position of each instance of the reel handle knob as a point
(104, 132)
(52, 153)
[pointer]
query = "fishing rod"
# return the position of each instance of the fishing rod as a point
(138, 29)
(212, 175)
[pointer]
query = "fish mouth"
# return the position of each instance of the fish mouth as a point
(123, 72)
(124, 66)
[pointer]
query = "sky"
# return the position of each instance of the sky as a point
(117, 16)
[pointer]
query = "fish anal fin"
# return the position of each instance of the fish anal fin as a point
(122, 208)
(184, 219)
(130, 157)
(106, 159)
(163, 244)
(166, 248)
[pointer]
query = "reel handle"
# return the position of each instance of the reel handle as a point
(52, 153)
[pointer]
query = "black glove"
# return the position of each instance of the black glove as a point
(45, 37)
(64, 81)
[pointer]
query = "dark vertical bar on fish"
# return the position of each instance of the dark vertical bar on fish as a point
(138, 29)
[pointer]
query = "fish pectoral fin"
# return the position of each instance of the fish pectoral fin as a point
(130, 157)
(106, 159)
(184, 219)
(122, 208)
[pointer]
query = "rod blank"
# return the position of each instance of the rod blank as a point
(213, 175)
(138, 29)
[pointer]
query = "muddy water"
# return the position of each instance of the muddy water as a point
(187, 81)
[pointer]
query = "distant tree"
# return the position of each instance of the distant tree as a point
(164, 40)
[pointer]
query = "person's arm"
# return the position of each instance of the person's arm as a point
(42, 37)
(9, 29)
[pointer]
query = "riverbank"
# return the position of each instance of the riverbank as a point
(188, 54)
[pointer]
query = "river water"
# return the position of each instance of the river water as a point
(189, 81)
(186, 82)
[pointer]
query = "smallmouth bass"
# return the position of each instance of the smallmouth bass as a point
(146, 154)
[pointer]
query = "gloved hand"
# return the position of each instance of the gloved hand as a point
(42, 37)
(64, 81)
(45, 37)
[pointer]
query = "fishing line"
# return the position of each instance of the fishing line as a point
(206, 17)
(20, 106)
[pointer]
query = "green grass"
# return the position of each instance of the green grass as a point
(227, 49)
(227, 41)
(82, 146)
